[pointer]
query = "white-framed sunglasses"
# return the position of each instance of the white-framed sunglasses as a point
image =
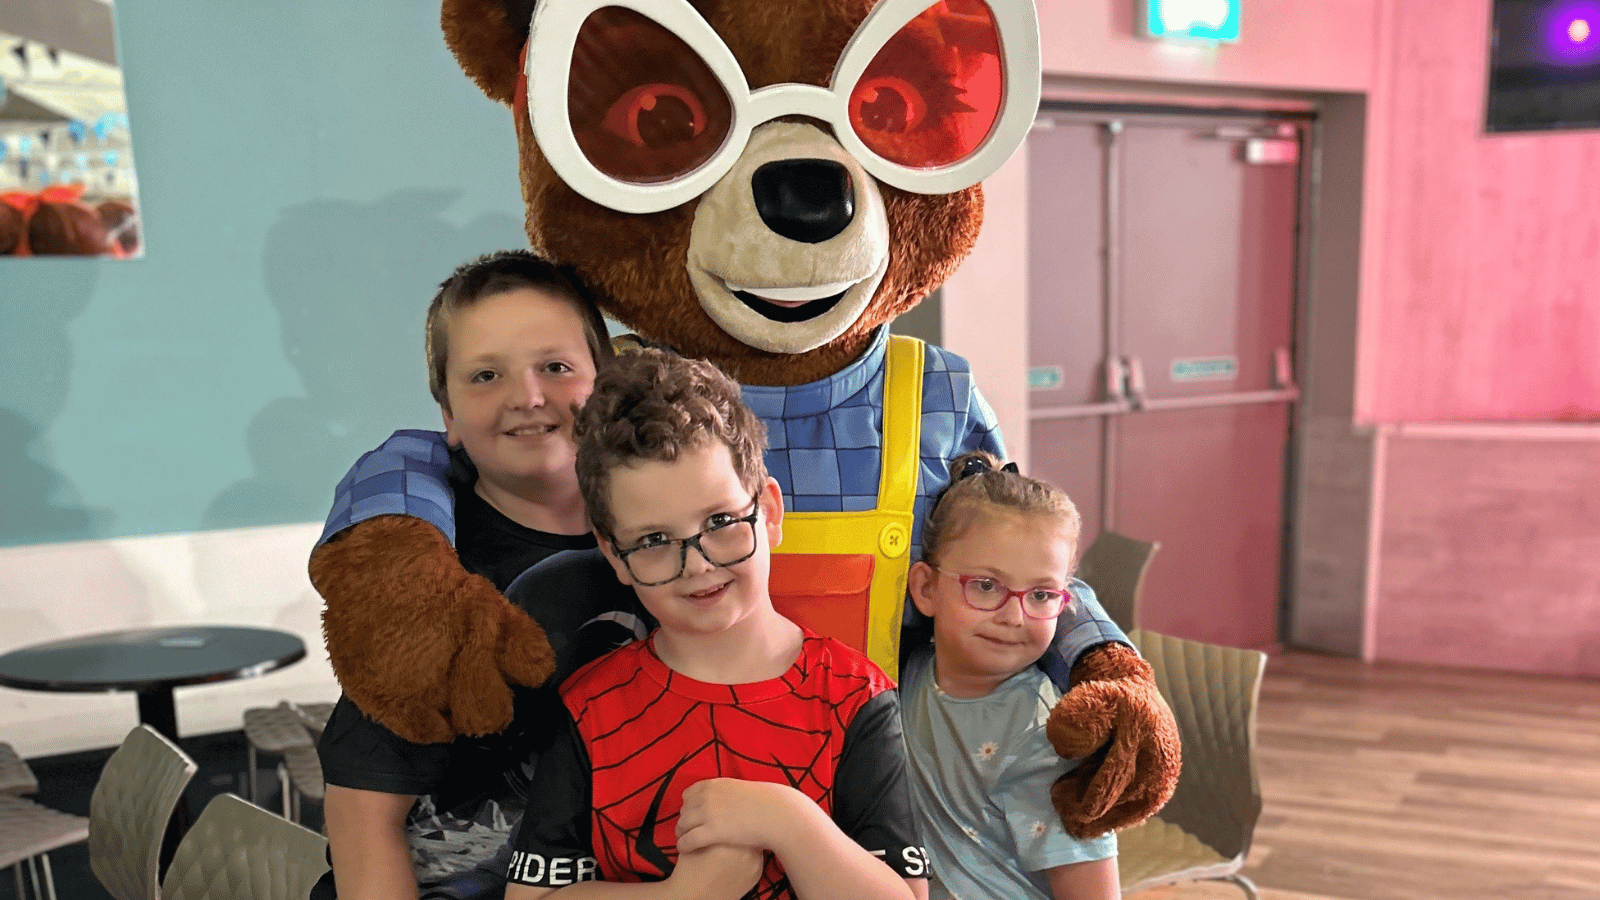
(640, 106)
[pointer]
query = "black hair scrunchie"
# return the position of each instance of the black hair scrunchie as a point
(976, 464)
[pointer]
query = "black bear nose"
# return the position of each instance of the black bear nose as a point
(807, 200)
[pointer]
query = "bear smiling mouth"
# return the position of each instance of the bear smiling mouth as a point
(777, 312)
(790, 304)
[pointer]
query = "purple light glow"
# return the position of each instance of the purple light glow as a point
(1569, 32)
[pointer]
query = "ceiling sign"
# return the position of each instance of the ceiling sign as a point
(1192, 20)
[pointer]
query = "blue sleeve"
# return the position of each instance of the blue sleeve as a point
(955, 420)
(1083, 626)
(983, 427)
(405, 476)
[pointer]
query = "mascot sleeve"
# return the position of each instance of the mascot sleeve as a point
(419, 644)
(404, 476)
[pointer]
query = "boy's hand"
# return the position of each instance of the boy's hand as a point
(732, 811)
(717, 873)
(1115, 717)
(417, 642)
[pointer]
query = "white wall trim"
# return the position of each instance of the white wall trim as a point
(247, 576)
(1503, 431)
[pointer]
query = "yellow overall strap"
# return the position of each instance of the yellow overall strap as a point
(884, 532)
(897, 499)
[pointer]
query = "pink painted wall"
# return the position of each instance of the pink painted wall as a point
(1482, 295)
(1297, 44)
(1489, 556)
(1476, 297)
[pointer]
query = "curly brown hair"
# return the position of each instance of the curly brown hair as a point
(654, 405)
(977, 481)
(497, 273)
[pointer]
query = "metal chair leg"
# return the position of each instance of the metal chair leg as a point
(33, 878)
(288, 792)
(250, 756)
(49, 877)
(1244, 884)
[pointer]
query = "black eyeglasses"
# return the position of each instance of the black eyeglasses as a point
(727, 541)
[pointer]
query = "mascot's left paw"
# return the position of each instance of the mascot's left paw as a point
(1115, 719)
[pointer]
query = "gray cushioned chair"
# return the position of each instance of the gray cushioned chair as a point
(239, 851)
(138, 789)
(28, 832)
(272, 731)
(1115, 565)
(1204, 831)
(15, 776)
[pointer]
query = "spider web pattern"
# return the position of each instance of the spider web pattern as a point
(651, 732)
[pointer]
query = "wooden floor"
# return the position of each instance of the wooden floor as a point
(1390, 782)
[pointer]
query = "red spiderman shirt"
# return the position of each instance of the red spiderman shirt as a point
(606, 797)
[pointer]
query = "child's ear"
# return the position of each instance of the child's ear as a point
(450, 436)
(771, 501)
(920, 583)
(609, 551)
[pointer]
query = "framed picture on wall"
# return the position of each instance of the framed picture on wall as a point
(67, 182)
(1544, 65)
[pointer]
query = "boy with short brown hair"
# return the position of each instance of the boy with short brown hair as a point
(513, 344)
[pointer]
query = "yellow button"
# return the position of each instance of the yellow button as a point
(894, 540)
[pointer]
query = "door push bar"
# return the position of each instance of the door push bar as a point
(1125, 392)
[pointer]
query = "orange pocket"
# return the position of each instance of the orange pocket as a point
(826, 592)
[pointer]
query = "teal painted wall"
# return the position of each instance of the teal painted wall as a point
(308, 171)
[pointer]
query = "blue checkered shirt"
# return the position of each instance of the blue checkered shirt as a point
(823, 447)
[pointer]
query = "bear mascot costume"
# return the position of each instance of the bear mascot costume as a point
(765, 185)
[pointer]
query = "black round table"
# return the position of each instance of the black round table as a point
(151, 662)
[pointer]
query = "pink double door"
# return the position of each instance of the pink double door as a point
(1164, 268)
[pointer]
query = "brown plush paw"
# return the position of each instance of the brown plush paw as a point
(503, 646)
(1115, 719)
(523, 651)
(415, 640)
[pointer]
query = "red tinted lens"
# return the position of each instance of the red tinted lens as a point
(644, 106)
(932, 94)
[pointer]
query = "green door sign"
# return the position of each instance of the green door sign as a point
(1205, 368)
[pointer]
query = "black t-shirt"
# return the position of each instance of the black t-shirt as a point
(471, 791)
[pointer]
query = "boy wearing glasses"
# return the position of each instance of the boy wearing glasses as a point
(733, 753)
(996, 574)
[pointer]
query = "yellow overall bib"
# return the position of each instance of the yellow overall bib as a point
(843, 574)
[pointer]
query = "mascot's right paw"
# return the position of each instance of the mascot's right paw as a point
(1113, 717)
(418, 643)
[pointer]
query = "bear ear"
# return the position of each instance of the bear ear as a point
(486, 37)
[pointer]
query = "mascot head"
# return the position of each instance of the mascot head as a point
(762, 184)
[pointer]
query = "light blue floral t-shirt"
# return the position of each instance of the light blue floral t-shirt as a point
(982, 770)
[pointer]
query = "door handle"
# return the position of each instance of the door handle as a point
(1115, 379)
(1282, 368)
(1133, 371)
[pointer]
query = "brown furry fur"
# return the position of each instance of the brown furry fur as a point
(420, 645)
(1134, 755)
